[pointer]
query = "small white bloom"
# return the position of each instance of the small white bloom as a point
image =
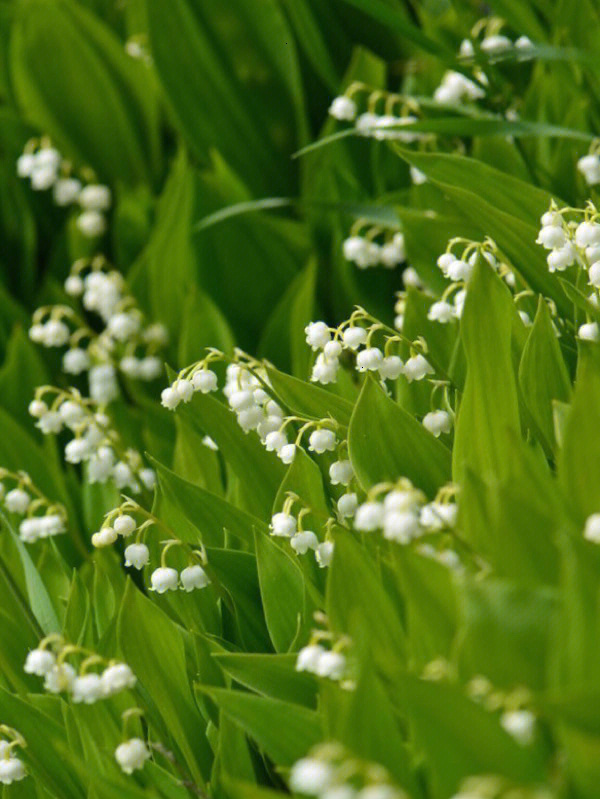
(105, 537)
(39, 662)
(117, 677)
(310, 776)
(194, 577)
(400, 501)
(308, 658)
(287, 453)
(343, 109)
(56, 333)
(71, 413)
(354, 337)
(438, 515)
(591, 531)
(391, 367)
(354, 248)
(417, 367)
(400, 526)
(394, 252)
(150, 367)
(589, 167)
(444, 262)
(331, 665)
(123, 326)
(417, 177)
(95, 198)
(42, 177)
(324, 370)
(492, 45)
(66, 191)
(333, 349)
(148, 478)
(321, 440)
(560, 259)
(50, 423)
(242, 400)
(369, 516)
(77, 450)
(283, 524)
(87, 688)
(91, 224)
(205, 381)
(169, 398)
(132, 755)
(17, 500)
(552, 236)
(466, 49)
(75, 361)
(594, 275)
(341, 473)
(587, 234)
(124, 525)
(250, 418)
(11, 770)
(437, 422)
(347, 505)
(442, 312)
(164, 579)
(275, 441)
(317, 335)
(459, 270)
(29, 530)
(59, 678)
(74, 285)
(369, 255)
(369, 359)
(324, 553)
(520, 724)
(100, 465)
(589, 332)
(137, 555)
(302, 542)
(25, 165)
(37, 408)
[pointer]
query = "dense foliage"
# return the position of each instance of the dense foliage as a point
(300, 399)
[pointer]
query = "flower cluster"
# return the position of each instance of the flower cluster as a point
(285, 524)
(401, 512)
(456, 88)
(516, 716)
(364, 251)
(95, 442)
(11, 767)
(50, 661)
(385, 114)
(355, 339)
(46, 169)
(125, 341)
(330, 772)
(42, 517)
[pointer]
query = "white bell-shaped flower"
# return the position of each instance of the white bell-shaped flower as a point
(194, 577)
(132, 755)
(164, 579)
(137, 556)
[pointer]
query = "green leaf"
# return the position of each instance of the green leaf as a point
(271, 675)
(304, 399)
(385, 443)
(285, 731)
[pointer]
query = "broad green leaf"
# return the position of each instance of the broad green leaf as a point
(305, 399)
(271, 675)
(385, 443)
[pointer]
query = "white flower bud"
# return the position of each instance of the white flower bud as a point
(11, 770)
(275, 441)
(369, 255)
(95, 198)
(589, 166)
(587, 234)
(74, 285)
(87, 689)
(287, 453)
(148, 478)
(39, 662)
(324, 370)
(42, 177)
(283, 524)
(194, 577)
(400, 526)
(71, 413)
(123, 325)
(444, 262)
(310, 776)
(343, 109)
(77, 450)
(594, 274)
(137, 555)
(302, 542)
(354, 337)
(117, 677)
(317, 335)
(25, 165)
(59, 678)
(324, 554)
(561, 259)
(270, 424)
(91, 224)
(492, 45)
(437, 422)
(164, 579)
(17, 501)
(205, 381)
(331, 665)
(105, 537)
(56, 333)
(50, 423)
(369, 517)
(438, 515)
(37, 408)
(520, 724)
(442, 312)
(308, 658)
(242, 400)
(169, 398)
(347, 505)
(37, 333)
(459, 270)
(333, 349)
(321, 440)
(369, 359)
(66, 191)
(29, 530)
(250, 418)
(132, 755)
(353, 248)
(75, 361)
(591, 531)
(391, 367)
(124, 525)
(341, 473)
(589, 332)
